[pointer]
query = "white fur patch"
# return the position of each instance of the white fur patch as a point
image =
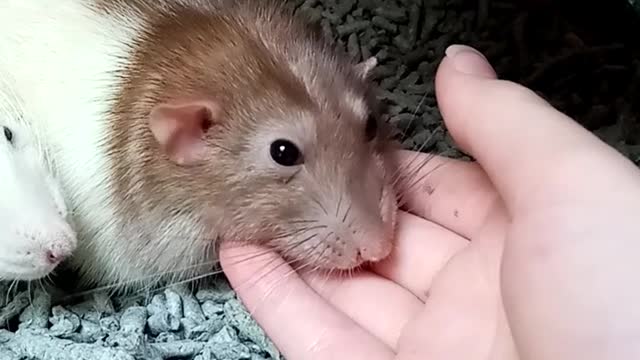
(357, 105)
(64, 58)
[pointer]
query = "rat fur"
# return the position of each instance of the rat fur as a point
(163, 118)
(35, 235)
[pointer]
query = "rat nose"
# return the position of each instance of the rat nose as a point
(375, 251)
(60, 248)
(55, 256)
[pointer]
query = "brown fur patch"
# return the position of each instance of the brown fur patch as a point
(259, 64)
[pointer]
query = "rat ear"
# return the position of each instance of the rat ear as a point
(364, 68)
(180, 127)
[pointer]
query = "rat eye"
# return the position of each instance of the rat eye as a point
(371, 128)
(285, 153)
(8, 134)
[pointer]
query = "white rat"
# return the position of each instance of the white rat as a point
(177, 124)
(35, 234)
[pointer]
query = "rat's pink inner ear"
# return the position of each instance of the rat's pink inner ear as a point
(180, 128)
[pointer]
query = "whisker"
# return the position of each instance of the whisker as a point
(303, 221)
(314, 199)
(217, 272)
(198, 277)
(292, 271)
(29, 293)
(132, 281)
(192, 266)
(346, 213)
(401, 169)
(408, 173)
(157, 276)
(416, 182)
(297, 232)
(271, 289)
(11, 287)
(293, 247)
(415, 114)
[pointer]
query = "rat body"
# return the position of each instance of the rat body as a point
(35, 236)
(179, 124)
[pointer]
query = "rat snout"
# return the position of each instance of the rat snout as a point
(356, 242)
(56, 241)
(59, 246)
(372, 244)
(34, 248)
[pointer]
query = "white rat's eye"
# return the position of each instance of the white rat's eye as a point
(285, 153)
(8, 134)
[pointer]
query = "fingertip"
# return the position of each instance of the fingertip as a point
(513, 132)
(468, 61)
(456, 76)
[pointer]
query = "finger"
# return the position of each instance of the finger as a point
(300, 323)
(519, 139)
(453, 193)
(463, 307)
(375, 303)
(422, 249)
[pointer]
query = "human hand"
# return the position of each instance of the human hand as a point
(529, 253)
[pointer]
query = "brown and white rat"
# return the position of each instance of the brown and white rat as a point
(175, 125)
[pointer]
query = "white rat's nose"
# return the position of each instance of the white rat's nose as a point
(59, 245)
(57, 255)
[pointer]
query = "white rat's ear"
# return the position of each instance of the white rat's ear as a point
(180, 128)
(364, 68)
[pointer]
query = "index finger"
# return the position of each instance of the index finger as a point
(298, 320)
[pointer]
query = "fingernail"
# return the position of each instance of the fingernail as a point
(469, 60)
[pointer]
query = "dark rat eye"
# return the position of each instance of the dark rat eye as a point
(285, 153)
(8, 134)
(371, 128)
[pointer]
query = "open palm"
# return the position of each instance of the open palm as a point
(438, 291)
(488, 254)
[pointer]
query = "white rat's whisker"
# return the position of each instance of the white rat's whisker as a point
(157, 276)
(133, 281)
(217, 272)
(29, 293)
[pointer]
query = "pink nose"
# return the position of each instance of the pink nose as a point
(56, 256)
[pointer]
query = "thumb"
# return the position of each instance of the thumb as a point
(529, 150)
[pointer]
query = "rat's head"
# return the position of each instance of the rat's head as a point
(34, 233)
(271, 136)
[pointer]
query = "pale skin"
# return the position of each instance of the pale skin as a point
(531, 252)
